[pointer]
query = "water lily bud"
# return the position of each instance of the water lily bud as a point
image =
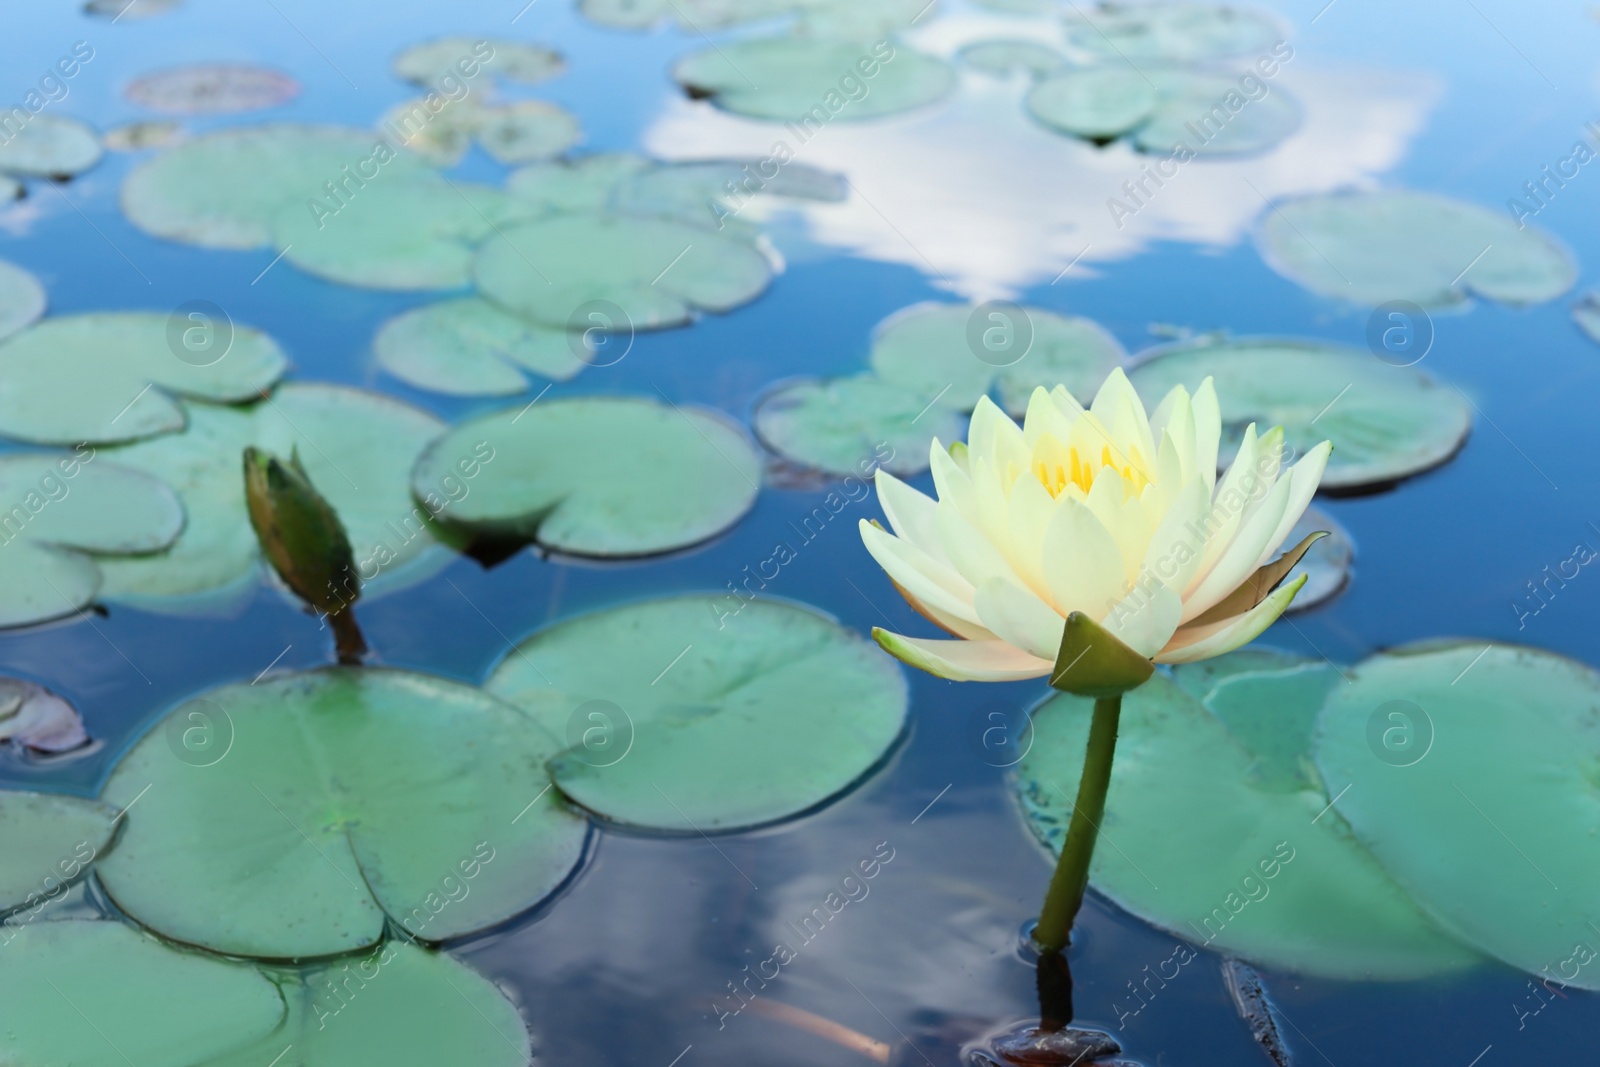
(300, 533)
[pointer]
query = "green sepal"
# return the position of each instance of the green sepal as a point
(1256, 588)
(1095, 663)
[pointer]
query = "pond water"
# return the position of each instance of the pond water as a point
(968, 199)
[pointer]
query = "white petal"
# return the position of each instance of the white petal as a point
(1045, 416)
(1178, 543)
(964, 661)
(1241, 558)
(1196, 643)
(919, 574)
(1118, 408)
(1207, 430)
(1146, 618)
(993, 438)
(969, 550)
(1082, 563)
(1228, 503)
(1016, 616)
(1303, 480)
(1029, 511)
(910, 512)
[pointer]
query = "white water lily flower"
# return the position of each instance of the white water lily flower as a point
(1108, 512)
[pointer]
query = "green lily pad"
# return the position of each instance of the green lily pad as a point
(599, 476)
(1269, 701)
(585, 184)
(48, 841)
(50, 146)
(1210, 115)
(212, 89)
(22, 299)
(844, 426)
(1183, 32)
(357, 447)
(1206, 836)
(443, 138)
(957, 353)
(711, 14)
(1375, 247)
(402, 233)
(527, 131)
(1020, 7)
(799, 79)
(63, 520)
(739, 713)
(1094, 102)
(1473, 782)
(226, 189)
(11, 189)
(101, 994)
(1326, 564)
(348, 796)
(518, 61)
(469, 347)
(658, 271)
(849, 20)
(1586, 313)
(1001, 57)
(118, 375)
(1386, 423)
(708, 192)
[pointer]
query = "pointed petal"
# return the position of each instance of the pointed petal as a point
(1241, 558)
(1207, 430)
(1082, 563)
(963, 661)
(919, 574)
(910, 512)
(1146, 618)
(1196, 643)
(1019, 618)
(1303, 480)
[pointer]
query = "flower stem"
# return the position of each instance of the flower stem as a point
(349, 643)
(1071, 878)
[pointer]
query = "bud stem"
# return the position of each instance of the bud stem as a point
(1071, 879)
(349, 643)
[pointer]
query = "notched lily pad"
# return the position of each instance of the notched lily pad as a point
(48, 842)
(268, 851)
(598, 476)
(469, 347)
(213, 89)
(738, 712)
(850, 426)
(50, 146)
(1386, 423)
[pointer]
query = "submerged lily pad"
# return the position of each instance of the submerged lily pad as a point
(357, 447)
(956, 353)
(469, 347)
(116, 376)
(50, 146)
(213, 89)
(527, 131)
(799, 79)
(518, 61)
(738, 712)
(658, 271)
(1326, 564)
(347, 796)
(1217, 838)
(1398, 244)
(48, 842)
(63, 520)
(1472, 781)
(599, 476)
(1386, 423)
(225, 190)
(844, 426)
(22, 299)
(1183, 32)
(1001, 57)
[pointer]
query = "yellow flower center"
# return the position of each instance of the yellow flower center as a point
(1058, 466)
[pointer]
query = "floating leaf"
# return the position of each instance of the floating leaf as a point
(738, 712)
(213, 89)
(1326, 564)
(1472, 780)
(442, 135)
(1182, 32)
(225, 190)
(117, 376)
(34, 717)
(708, 192)
(22, 299)
(658, 271)
(469, 347)
(518, 61)
(50, 146)
(139, 136)
(346, 797)
(101, 994)
(358, 449)
(1215, 853)
(48, 842)
(527, 131)
(585, 184)
(1386, 423)
(1374, 247)
(1212, 115)
(599, 476)
(957, 352)
(844, 426)
(63, 520)
(1094, 102)
(1001, 57)
(807, 80)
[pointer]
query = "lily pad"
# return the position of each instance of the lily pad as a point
(1183, 32)
(711, 14)
(585, 184)
(1386, 423)
(50, 146)
(22, 299)
(1210, 115)
(442, 135)
(1213, 845)
(1001, 57)
(518, 61)
(469, 347)
(1375, 247)
(708, 192)
(843, 426)
(404, 232)
(63, 520)
(527, 131)
(349, 797)
(600, 476)
(800, 79)
(1099, 103)
(213, 89)
(1458, 764)
(739, 713)
(658, 271)
(141, 136)
(226, 189)
(957, 353)
(356, 446)
(144, 1003)
(37, 719)
(48, 841)
(117, 376)
(1326, 564)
